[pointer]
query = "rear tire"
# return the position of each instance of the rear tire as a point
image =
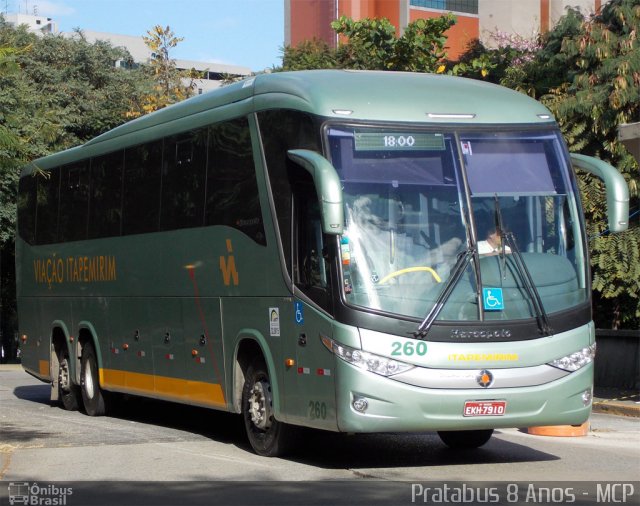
(93, 397)
(68, 392)
(465, 438)
(268, 437)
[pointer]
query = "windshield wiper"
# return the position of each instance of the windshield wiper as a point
(529, 285)
(456, 273)
(500, 232)
(508, 239)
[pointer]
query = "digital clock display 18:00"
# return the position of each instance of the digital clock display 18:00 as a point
(398, 141)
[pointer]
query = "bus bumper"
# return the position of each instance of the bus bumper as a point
(392, 406)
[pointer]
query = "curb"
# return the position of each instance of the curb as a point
(616, 408)
(10, 367)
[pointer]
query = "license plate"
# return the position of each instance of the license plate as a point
(485, 408)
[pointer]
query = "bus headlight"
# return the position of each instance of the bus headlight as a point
(375, 363)
(576, 360)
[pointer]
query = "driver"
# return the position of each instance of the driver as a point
(492, 245)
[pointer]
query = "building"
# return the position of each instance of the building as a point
(629, 135)
(38, 24)
(476, 19)
(213, 73)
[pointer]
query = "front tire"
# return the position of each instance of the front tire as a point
(268, 437)
(465, 438)
(93, 397)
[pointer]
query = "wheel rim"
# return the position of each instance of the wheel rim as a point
(63, 376)
(88, 380)
(260, 405)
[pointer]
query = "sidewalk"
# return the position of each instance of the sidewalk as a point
(614, 401)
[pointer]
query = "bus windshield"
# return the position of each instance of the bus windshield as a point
(412, 199)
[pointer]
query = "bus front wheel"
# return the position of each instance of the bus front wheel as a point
(465, 438)
(92, 396)
(268, 437)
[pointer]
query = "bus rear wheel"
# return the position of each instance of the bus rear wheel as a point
(268, 437)
(68, 392)
(93, 397)
(465, 438)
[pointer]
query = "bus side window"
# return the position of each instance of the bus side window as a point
(280, 131)
(48, 196)
(74, 202)
(232, 188)
(183, 180)
(141, 203)
(27, 208)
(311, 264)
(105, 204)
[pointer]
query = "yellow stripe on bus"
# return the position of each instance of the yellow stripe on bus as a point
(198, 392)
(43, 367)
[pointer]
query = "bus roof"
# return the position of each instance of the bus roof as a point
(346, 94)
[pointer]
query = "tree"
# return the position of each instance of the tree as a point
(168, 80)
(55, 93)
(602, 91)
(309, 54)
(372, 44)
(587, 72)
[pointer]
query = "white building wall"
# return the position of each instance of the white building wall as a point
(516, 17)
(37, 24)
(522, 17)
(558, 8)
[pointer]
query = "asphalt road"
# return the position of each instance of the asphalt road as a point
(160, 442)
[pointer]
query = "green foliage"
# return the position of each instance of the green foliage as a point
(532, 66)
(310, 54)
(55, 92)
(372, 44)
(602, 90)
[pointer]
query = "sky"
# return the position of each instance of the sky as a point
(249, 33)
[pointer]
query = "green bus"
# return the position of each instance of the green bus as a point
(341, 250)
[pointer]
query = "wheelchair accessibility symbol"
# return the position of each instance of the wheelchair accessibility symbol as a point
(492, 298)
(299, 313)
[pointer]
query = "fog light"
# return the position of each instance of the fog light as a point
(586, 397)
(360, 404)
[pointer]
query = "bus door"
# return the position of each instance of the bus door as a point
(204, 359)
(314, 371)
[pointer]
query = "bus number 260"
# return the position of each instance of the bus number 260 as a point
(409, 348)
(317, 410)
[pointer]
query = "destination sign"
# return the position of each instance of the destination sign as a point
(398, 141)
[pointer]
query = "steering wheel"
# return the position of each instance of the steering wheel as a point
(400, 272)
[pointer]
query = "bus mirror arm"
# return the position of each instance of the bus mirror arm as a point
(328, 188)
(616, 189)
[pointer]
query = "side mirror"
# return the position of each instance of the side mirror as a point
(615, 187)
(328, 188)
